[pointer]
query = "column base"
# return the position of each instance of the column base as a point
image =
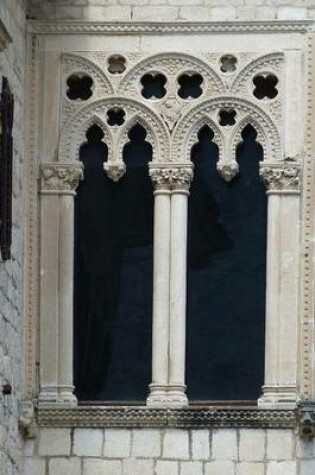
(66, 396)
(177, 396)
(157, 396)
(278, 397)
(57, 396)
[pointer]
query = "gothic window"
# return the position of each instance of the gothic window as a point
(6, 150)
(226, 275)
(113, 273)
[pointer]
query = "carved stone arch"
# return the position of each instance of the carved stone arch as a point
(73, 63)
(211, 108)
(172, 64)
(82, 139)
(70, 137)
(151, 138)
(261, 137)
(218, 138)
(270, 63)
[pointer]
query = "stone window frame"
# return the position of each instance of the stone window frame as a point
(282, 179)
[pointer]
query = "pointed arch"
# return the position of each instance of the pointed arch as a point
(71, 137)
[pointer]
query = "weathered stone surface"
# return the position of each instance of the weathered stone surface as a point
(146, 443)
(176, 444)
(54, 442)
(88, 442)
(117, 443)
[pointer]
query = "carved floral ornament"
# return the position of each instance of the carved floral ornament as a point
(178, 178)
(282, 177)
(60, 178)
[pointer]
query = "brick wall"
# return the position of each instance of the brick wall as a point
(159, 10)
(169, 452)
(12, 14)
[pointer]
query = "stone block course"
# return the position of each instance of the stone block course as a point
(220, 468)
(146, 443)
(279, 444)
(252, 445)
(224, 444)
(137, 466)
(176, 444)
(200, 444)
(250, 468)
(280, 468)
(101, 467)
(34, 467)
(166, 467)
(191, 468)
(88, 442)
(64, 466)
(54, 442)
(117, 443)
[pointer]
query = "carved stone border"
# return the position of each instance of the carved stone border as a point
(54, 27)
(178, 418)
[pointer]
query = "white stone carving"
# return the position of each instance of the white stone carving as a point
(27, 420)
(60, 177)
(228, 169)
(278, 178)
(171, 178)
(115, 171)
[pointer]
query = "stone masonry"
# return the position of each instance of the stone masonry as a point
(12, 65)
(160, 10)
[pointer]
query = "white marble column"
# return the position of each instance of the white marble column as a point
(59, 182)
(283, 249)
(161, 287)
(181, 179)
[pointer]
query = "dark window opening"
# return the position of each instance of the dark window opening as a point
(190, 86)
(115, 116)
(265, 86)
(79, 87)
(153, 86)
(226, 275)
(227, 117)
(6, 168)
(113, 274)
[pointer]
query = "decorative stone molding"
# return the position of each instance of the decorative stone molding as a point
(285, 177)
(208, 110)
(56, 177)
(115, 171)
(5, 38)
(152, 417)
(55, 27)
(27, 420)
(74, 130)
(172, 178)
(306, 419)
(227, 170)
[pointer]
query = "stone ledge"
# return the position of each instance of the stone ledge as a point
(57, 27)
(130, 417)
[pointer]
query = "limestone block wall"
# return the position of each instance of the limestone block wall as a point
(168, 452)
(160, 10)
(12, 65)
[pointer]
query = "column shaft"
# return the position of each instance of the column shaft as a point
(161, 283)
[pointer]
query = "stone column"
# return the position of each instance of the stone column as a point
(161, 286)
(282, 182)
(59, 182)
(181, 179)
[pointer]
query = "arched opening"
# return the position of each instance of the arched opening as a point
(113, 273)
(226, 275)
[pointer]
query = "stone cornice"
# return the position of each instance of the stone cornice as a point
(58, 27)
(95, 416)
(5, 38)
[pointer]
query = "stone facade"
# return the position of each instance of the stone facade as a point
(12, 66)
(169, 10)
(92, 449)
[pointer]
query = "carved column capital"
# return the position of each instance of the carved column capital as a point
(172, 178)
(115, 171)
(281, 177)
(227, 169)
(60, 178)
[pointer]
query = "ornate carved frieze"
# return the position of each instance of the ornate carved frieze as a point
(172, 178)
(60, 177)
(177, 418)
(281, 177)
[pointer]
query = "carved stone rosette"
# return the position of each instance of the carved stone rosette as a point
(177, 178)
(60, 178)
(282, 177)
